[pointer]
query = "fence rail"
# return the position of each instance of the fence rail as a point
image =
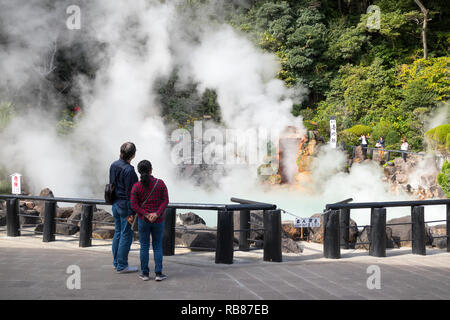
(337, 226)
(225, 224)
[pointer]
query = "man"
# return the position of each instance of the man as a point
(122, 174)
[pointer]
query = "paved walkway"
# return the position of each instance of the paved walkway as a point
(31, 269)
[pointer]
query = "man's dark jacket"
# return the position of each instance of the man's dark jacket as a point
(123, 175)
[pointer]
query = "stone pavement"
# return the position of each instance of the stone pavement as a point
(31, 269)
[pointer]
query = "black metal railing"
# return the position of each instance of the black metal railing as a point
(385, 152)
(225, 224)
(337, 226)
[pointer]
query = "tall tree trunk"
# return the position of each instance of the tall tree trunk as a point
(424, 27)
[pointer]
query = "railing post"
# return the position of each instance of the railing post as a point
(344, 222)
(244, 224)
(168, 243)
(331, 237)
(371, 154)
(49, 221)
(378, 232)
(448, 228)
(418, 230)
(12, 218)
(272, 235)
(388, 157)
(224, 244)
(353, 152)
(86, 226)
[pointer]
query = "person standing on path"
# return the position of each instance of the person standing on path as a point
(404, 147)
(364, 143)
(122, 174)
(149, 199)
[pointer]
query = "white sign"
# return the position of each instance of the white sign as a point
(333, 132)
(15, 183)
(307, 222)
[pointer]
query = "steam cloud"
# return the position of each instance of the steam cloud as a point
(145, 41)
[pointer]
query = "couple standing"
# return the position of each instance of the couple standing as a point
(144, 200)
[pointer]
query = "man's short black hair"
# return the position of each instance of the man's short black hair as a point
(127, 151)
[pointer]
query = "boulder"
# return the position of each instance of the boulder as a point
(110, 219)
(40, 205)
(105, 232)
(401, 178)
(65, 229)
(189, 218)
(74, 218)
(101, 215)
(389, 171)
(39, 228)
(29, 220)
(402, 232)
(292, 232)
(364, 239)
(193, 238)
(79, 207)
(290, 246)
(440, 243)
(316, 234)
(2, 218)
(64, 212)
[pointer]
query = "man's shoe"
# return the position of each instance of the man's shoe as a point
(128, 270)
(144, 277)
(160, 276)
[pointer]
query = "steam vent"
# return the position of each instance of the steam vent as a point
(290, 144)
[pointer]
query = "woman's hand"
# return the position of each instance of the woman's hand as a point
(151, 217)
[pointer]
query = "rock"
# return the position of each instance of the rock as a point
(29, 220)
(200, 239)
(401, 178)
(65, 229)
(402, 232)
(105, 232)
(389, 171)
(39, 228)
(100, 215)
(2, 218)
(399, 162)
(64, 212)
(364, 239)
(292, 232)
(290, 246)
(74, 218)
(440, 243)
(30, 204)
(358, 154)
(190, 218)
(40, 205)
(316, 234)
(110, 219)
(79, 207)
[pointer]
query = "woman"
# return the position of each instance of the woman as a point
(404, 147)
(364, 143)
(380, 145)
(149, 199)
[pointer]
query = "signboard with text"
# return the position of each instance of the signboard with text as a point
(307, 222)
(333, 132)
(15, 183)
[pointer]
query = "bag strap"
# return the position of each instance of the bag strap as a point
(150, 193)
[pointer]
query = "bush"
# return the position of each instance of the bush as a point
(443, 178)
(439, 133)
(359, 130)
(392, 138)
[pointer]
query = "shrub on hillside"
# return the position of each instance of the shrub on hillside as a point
(443, 178)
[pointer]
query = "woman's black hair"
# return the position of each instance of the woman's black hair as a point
(144, 168)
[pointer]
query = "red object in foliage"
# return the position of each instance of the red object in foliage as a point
(76, 109)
